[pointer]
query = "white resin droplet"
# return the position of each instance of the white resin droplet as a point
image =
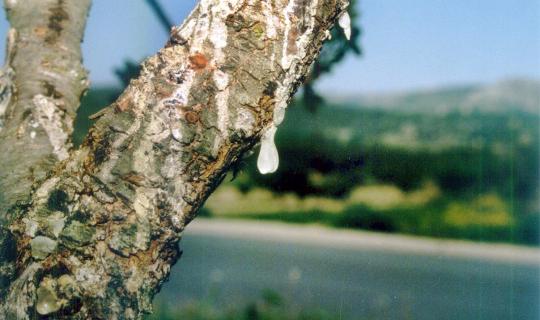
(177, 135)
(268, 160)
(279, 115)
(345, 24)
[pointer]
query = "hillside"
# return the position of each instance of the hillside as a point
(514, 95)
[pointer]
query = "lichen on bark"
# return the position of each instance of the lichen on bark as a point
(107, 220)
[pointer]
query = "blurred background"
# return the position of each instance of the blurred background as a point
(408, 177)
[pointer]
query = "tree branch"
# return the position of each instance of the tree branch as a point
(40, 88)
(160, 14)
(100, 235)
(48, 81)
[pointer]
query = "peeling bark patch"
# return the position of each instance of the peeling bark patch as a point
(42, 247)
(58, 296)
(56, 19)
(198, 61)
(122, 104)
(51, 118)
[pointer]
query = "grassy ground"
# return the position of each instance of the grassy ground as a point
(270, 306)
(423, 211)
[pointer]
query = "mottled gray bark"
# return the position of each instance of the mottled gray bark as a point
(40, 88)
(44, 56)
(98, 237)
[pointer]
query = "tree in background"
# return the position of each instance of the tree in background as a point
(93, 232)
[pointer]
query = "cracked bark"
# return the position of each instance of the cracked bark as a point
(47, 81)
(97, 238)
(40, 87)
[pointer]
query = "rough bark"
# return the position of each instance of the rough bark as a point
(48, 79)
(98, 237)
(40, 88)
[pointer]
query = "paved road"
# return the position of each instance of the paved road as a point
(356, 274)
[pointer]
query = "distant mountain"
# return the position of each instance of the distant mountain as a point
(515, 95)
(493, 116)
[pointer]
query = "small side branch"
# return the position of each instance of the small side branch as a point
(160, 14)
(40, 89)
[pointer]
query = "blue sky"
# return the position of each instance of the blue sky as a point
(407, 44)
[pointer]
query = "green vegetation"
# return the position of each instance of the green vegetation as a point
(270, 306)
(486, 217)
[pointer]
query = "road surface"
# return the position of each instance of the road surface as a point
(356, 275)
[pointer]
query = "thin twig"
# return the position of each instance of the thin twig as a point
(161, 15)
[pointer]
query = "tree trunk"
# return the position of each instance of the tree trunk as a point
(97, 236)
